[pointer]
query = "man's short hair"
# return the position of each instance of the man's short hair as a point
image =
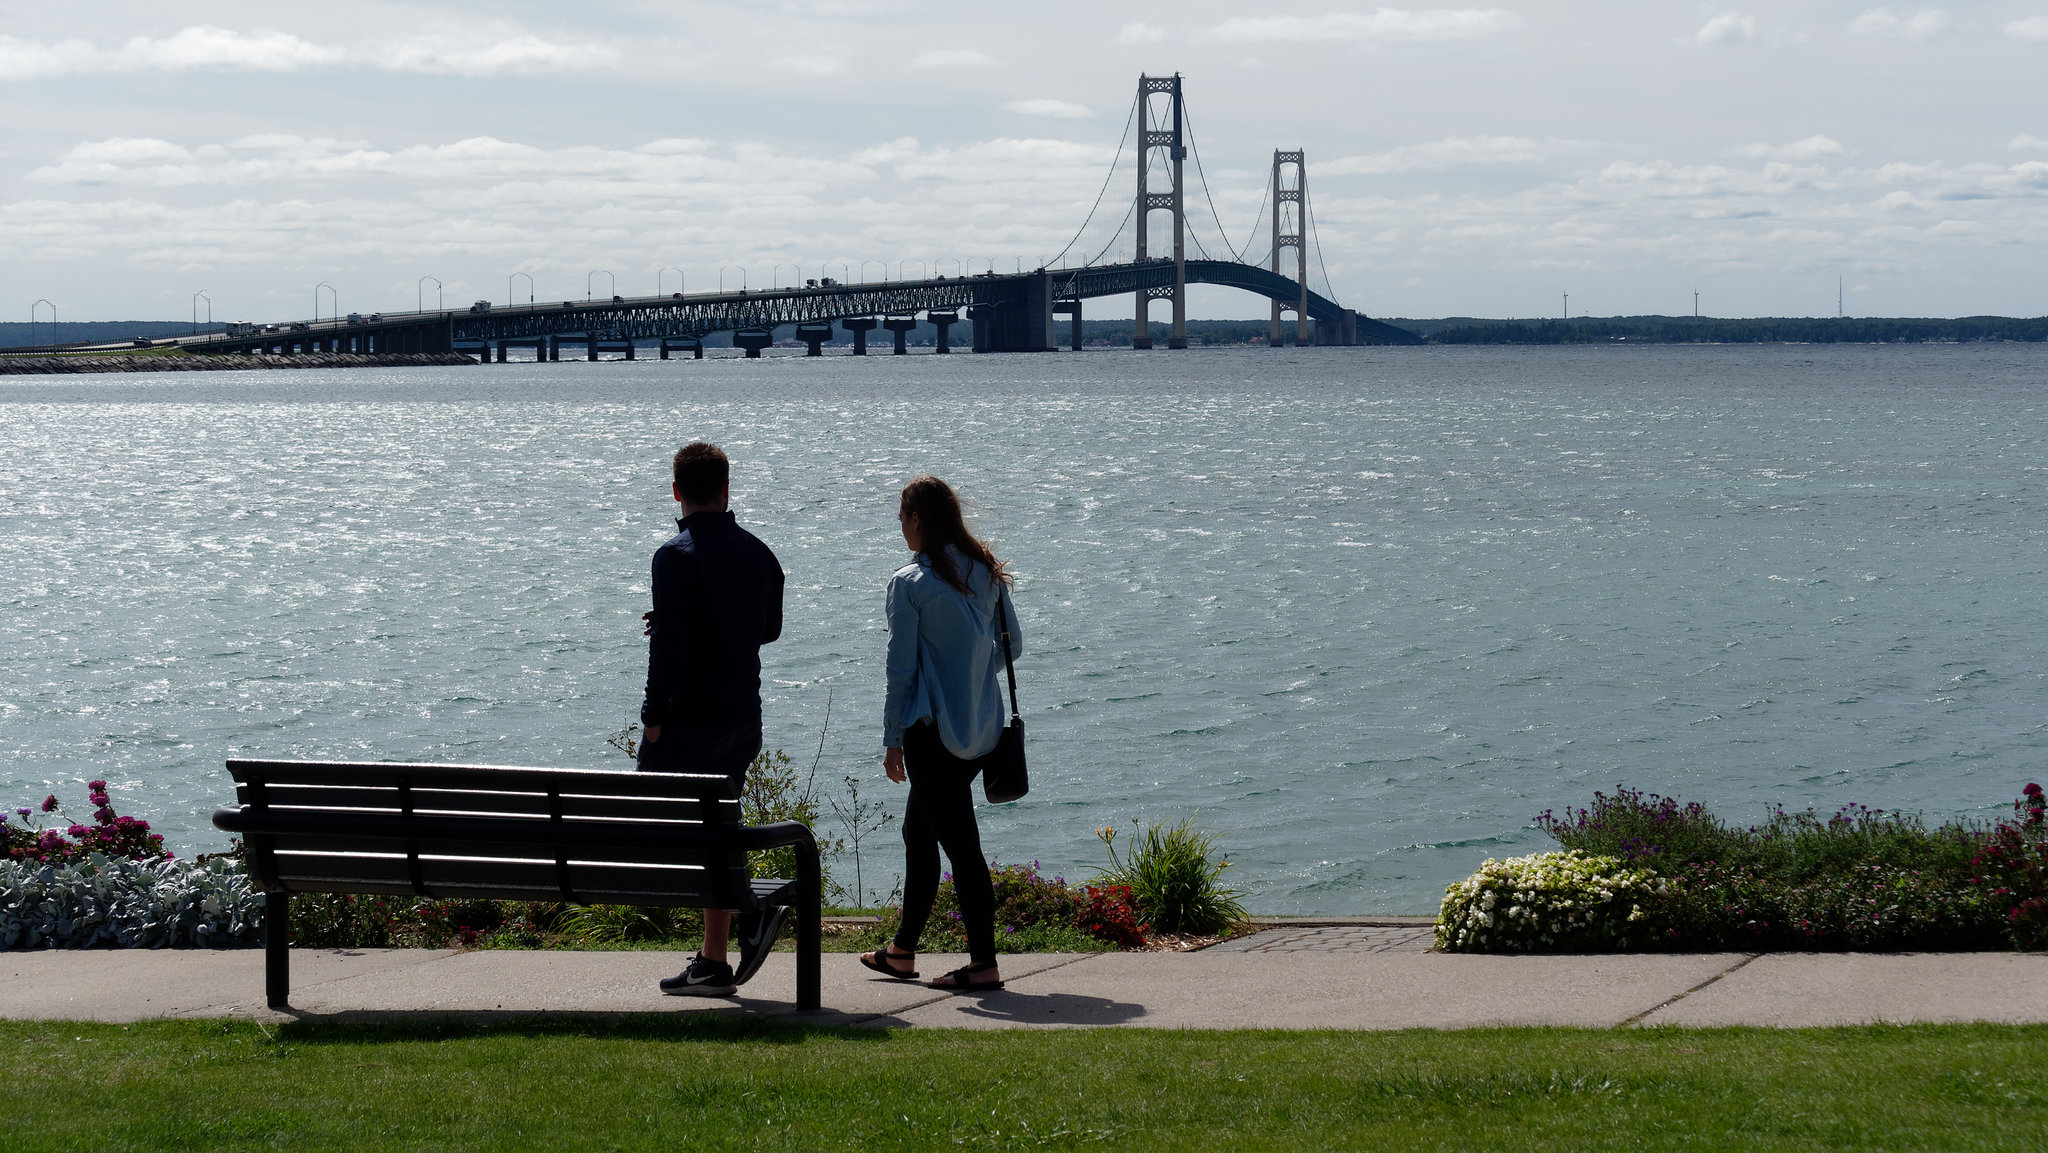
(701, 472)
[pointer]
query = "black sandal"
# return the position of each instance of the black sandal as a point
(879, 962)
(960, 980)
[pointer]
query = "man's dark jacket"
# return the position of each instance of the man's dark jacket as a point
(717, 600)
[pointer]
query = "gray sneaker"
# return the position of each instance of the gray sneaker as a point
(757, 932)
(703, 978)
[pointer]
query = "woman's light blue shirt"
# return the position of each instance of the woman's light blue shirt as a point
(945, 657)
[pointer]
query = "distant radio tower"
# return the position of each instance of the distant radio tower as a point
(1695, 304)
(1567, 306)
(1838, 297)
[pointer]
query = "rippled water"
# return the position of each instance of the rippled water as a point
(1368, 610)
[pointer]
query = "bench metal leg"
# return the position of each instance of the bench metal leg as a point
(277, 957)
(809, 976)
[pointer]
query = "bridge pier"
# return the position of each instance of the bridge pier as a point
(1073, 306)
(900, 325)
(984, 317)
(859, 326)
(753, 340)
(814, 336)
(943, 321)
(693, 345)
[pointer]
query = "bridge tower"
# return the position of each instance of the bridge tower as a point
(1161, 129)
(1290, 222)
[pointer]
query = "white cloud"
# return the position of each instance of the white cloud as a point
(1725, 28)
(812, 64)
(1140, 33)
(950, 58)
(1383, 25)
(1449, 152)
(1890, 25)
(450, 56)
(2032, 28)
(1049, 107)
(1811, 148)
(2027, 144)
(204, 47)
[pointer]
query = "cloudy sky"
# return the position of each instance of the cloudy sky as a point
(1476, 160)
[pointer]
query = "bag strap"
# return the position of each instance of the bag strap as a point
(1003, 630)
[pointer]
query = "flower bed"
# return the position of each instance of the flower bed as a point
(1860, 879)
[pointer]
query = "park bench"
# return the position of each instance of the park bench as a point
(517, 834)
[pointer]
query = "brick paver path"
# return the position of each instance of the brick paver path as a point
(1333, 938)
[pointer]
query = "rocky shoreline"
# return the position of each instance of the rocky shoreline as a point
(52, 365)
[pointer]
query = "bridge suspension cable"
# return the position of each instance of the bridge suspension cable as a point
(1104, 191)
(1196, 148)
(1309, 211)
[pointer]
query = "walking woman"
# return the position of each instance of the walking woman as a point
(943, 712)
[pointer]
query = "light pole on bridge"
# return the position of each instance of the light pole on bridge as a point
(743, 277)
(509, 298)
(196, 298)
(775, 276)
(924, 271)
(420, 291)
(864, 269)
(940, 263)
(682, 282)
(333, 294)
(609, 278)
(32, 318)
(827, 267)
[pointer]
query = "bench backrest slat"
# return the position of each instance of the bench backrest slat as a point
(500, 778)
(514, 880)
(511, 850)
(466, 802)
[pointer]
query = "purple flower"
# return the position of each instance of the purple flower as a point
(96, 786)
(50, 803)
(24, 813)
(2032, 789)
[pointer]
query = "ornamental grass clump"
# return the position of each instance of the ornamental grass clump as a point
(1549, 902)
(1175, 877)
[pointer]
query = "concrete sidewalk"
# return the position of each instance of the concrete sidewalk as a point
(1289, 989)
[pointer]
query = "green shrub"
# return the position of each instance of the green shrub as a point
(1173, 881)
(1659, 833)
(626, 924)
(1549, 902)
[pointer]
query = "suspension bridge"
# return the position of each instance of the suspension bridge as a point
(1006, 312)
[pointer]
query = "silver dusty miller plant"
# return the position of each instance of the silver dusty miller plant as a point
(114, 902)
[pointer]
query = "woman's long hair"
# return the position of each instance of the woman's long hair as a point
(939, 524)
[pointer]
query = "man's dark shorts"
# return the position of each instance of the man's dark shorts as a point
(729, 754)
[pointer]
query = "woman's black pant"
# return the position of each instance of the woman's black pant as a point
(940, 814)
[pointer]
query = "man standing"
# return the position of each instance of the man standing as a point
(717, 600)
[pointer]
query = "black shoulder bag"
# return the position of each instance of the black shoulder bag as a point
(1003, 777)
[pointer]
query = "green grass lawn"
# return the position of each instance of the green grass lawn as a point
(661, 1082)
